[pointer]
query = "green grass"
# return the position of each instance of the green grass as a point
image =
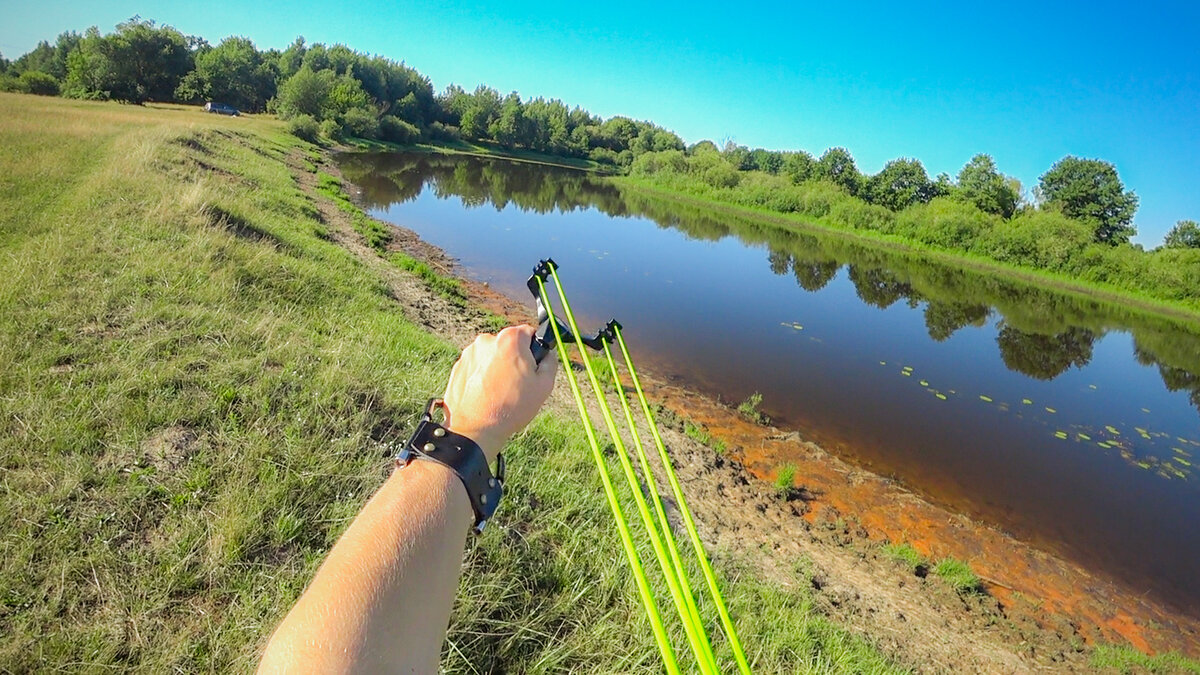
(785, 479)
(749, 409)
(905, 554)
(959, 575)
(198, 391)
(1129, 660)
(698, 433)
(376, 234)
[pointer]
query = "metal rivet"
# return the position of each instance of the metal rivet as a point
(439, 432)
(429, 447)
(491, 482)
(482, 499)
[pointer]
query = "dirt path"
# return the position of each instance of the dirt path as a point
(1037, 612)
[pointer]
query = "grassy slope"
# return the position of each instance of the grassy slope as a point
(1189, 311)
(197, 392)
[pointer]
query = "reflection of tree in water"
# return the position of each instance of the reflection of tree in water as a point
(942, 319)
(1175, 379)
(1045, 356)
(811, 275)
(879, 287)
(399, 177)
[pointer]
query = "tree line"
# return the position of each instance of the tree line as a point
(335, 92)
(329, 91)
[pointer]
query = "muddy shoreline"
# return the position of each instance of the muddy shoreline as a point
(1046, 598)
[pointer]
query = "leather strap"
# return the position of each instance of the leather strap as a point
(433, 442)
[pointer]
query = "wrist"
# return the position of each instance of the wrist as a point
(489, 439)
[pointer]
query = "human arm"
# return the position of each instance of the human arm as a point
(381, 601)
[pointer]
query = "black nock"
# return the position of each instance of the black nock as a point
(543, 340)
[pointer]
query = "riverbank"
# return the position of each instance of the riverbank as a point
(1063, 283)
(205, 366)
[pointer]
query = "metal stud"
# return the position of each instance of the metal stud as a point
(491, 482)
(482, 499)
(429, 447)
(439, 432)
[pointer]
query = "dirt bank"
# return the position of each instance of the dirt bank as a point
(1037, 611)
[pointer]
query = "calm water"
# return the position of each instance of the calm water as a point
(1067, 422)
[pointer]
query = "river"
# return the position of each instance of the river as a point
(1066, 421)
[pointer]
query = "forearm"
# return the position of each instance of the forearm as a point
(382, 599)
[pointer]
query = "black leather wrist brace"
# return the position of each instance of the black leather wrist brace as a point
(431, 441)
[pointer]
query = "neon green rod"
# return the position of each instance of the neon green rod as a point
(635, 563)
(664, 562)
(672, 547)
(688, 521)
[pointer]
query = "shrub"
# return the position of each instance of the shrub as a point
(945, 222)
(304, 126)
(444, 132)
(1045, 239)
(860, 215)
(603, 156)
(722, 175)
(360, 123)
(37, 82)
(332, 130)
(667, 161)
(396, 130)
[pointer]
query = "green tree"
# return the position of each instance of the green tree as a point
(837, 166)
(305, 93)
(901, 183)
(233, 72)
(1185, 234)
(799, 166)
(981, 184)
(137, 63)
(1091, 191)
(510, 128)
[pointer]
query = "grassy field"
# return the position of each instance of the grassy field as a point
(197, 392)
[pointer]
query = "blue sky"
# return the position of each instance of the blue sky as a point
(1025, 82)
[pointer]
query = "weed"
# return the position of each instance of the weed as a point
(909, 556)
(1126, 659)
(749, 409)
(959, 575)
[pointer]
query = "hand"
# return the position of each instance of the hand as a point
(496, 388)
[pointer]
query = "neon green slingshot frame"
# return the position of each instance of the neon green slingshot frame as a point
(552, 335)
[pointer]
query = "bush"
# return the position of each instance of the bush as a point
(722, 175)
(856, 213)
(444, 132)
(603, 156)
(667, 161)
(945, 222)
(360, 123)
(332, 130)
(37, 82)
(395, 130)
(1043, 239)
(304, 126)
